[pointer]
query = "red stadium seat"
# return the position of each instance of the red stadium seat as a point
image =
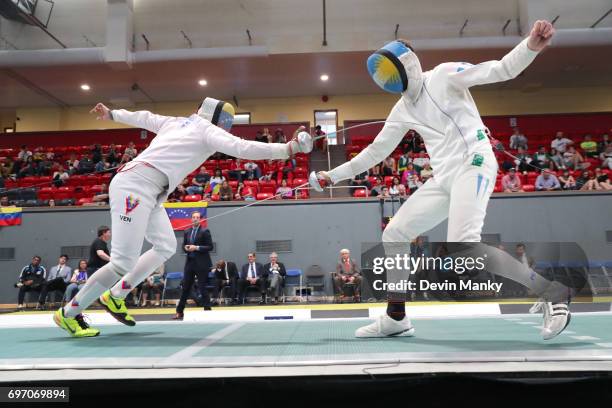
(46, 193)
(388, 180)
(528, 187)
(82, 192)
(298, 181)
(263, 196)
(192, 198)
(233, 184)
(360, 192)
(85, 200)
(64, 193)
(214, 197)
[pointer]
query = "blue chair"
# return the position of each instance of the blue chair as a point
(172, 281)
(294, 279)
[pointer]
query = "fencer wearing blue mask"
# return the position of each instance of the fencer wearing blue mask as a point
(463, 162)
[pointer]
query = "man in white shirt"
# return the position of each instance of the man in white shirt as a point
(438, 104)
(560, 143)
(142, 185)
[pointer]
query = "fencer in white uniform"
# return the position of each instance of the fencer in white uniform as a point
(141, 186)
(463, 162)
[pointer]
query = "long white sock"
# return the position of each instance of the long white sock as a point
(147, 263)
(97, 284)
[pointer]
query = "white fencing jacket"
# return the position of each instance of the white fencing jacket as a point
(454, 128)
(183, 144)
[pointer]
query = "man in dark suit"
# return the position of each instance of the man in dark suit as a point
(276, 275)
(252, 274)
(197, 242)
(226, 275)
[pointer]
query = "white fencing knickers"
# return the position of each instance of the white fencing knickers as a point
(136, 194)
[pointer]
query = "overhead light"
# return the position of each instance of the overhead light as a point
(85, 87)
(324, 77)
(203, 82)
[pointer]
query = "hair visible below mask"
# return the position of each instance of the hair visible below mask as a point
(217, 112)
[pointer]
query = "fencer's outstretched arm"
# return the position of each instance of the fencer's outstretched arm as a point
(221, 141)
(141, 119)
(510, 66)
(383, 145)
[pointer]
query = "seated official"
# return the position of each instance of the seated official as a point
(226, 276)
(31, 278)
(276, 276)
(347, 272)
(153, 286)
(252, 274)
(78, 280)
(57, 280)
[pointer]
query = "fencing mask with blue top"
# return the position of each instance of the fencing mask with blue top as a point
(217, 112)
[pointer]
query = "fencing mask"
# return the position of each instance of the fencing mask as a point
(217, 112)
(396, 69)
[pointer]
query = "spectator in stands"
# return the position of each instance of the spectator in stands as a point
(384, 192)
(583, 179)
(560, 143)
(51, 202)
(284, 191)
(236, 170)
(179, 192)
(153, 287)
(574, 160)
(375, 171)
(57, 280)
(31, 278)
(252, 170)
(388, 166)
(226, 276)
(199, 182)
(322, 142)
(60, 177)
(511, 183)
(567, 181)
(279, 136)
(522, 160)
(396, 187)
(98, 251)
(287, 168)
(24, 153)
(101, 196)
(246, 193)
(276, 273)
(361, 180)
(518, 140)
(521, 255)
(38, 155)
(4, 202)
(2, 182)
(602, 179)
(101, 166)
(131, 151)
(547, 181)
(225, 192)
(259, 137)
(347, 273)
(414, 183)
(77, 281)
(541, 158)
(410, 170)
(606, 157)
(113, 156)
(29, 168)
(217, 178)
(426, 172)
(556, 159)
(589, 146)
(268, 136)
(86, 165)
(252, 274)
(96, 153)
(605, 142)
(6, 168)
(377, 187)
(418, 144)
(402, 162)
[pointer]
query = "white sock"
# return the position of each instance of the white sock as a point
(96, 285)
(147, 263)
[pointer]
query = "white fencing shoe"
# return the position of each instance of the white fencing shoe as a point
(384, 326)
(556, 318)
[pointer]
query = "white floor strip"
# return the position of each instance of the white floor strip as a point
(192, 350)
(606, 345)
(590, 338)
